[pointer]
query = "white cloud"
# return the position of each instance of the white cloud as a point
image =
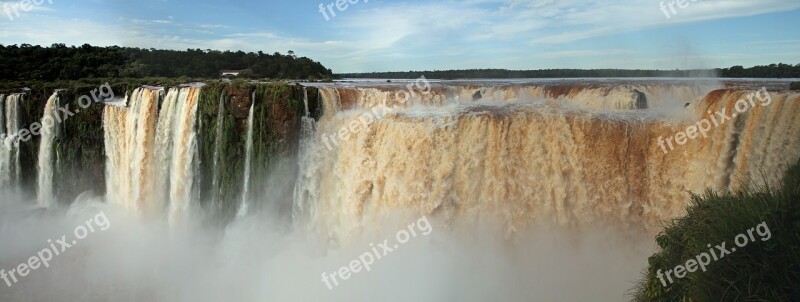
(378, 35)
(584, 53)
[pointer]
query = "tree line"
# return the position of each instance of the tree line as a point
(768, 71)
(59, 62)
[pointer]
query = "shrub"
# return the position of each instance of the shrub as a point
(760, 271)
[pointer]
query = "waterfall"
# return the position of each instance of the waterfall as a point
(49, 131)
(305, 100)
(5, 173)
(182, 174)
(164, 141)
(9, 151)
(215, 189)
(129, 133)
(517, 162)
(243, 208)
(305, 189)
(151, 153)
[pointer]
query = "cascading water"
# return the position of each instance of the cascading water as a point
(46, 165)
(129, 131)
(151, 158)
(5, 174)
(243, 207)
(184, 155)
(305, 101)
(514, 162)
(215, 189)
(304, 190)
(9, 150)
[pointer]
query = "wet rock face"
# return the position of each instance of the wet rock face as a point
(240, 100)
(477, 96)
(640, 99)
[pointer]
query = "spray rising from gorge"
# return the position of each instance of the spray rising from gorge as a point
(227, 182)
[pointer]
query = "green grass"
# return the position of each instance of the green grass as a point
(760, 271)
(795, 86)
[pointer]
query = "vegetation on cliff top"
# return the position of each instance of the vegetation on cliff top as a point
(59, 62)
(760, 271)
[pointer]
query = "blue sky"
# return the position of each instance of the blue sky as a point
(383, 35)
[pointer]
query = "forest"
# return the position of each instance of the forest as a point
(60, 62)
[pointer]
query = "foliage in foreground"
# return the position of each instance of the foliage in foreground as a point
(761, 271)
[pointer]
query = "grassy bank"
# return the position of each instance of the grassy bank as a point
(763, 270)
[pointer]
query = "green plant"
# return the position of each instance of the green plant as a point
(762, 271)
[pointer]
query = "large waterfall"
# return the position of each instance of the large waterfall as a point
(48, 133)
(151, 152)
(520, 155)
(555, 183)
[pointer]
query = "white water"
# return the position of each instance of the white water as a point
(305, 189)
(243, 207)
(518, 162)
(151, 158)
(305, 100)
(182, 174)
(217, 147)
(9, 150)
(5, 174)
(49, 131)
(401, 167)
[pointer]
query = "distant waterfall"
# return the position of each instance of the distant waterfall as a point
(248, 159)
(151, 154)
(48, 134)
(305, 100)
(9, 151)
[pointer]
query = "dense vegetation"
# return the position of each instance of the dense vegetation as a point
(59, 62)
(795, 86)
(770, 71)
(760, 271)
(224, 109)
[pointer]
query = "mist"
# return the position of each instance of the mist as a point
(253, 259)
